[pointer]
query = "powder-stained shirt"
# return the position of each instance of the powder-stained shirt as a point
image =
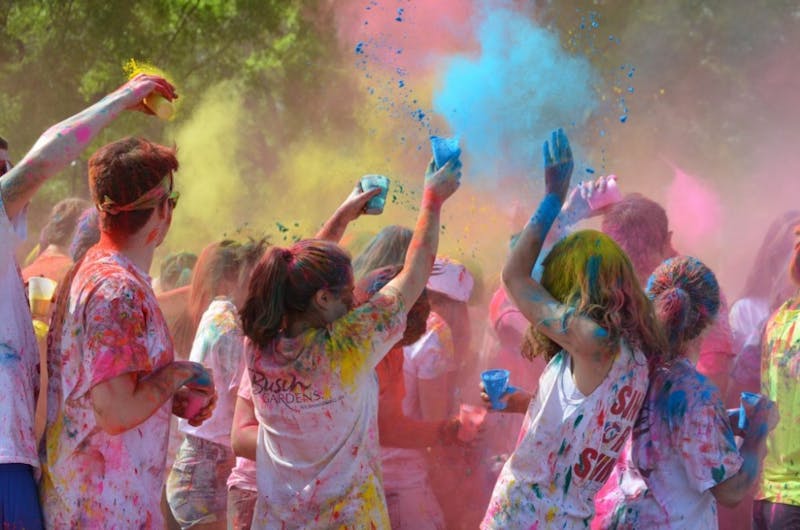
(316, 400)
(431, 357)
(219, 346)
(568, 446)
(780, 382)
(682, 446)
(112, 326)
(19, 353)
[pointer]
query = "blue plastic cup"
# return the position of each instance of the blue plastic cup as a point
(495, 383)
(444, 150)
(751, 399)
(377, 203)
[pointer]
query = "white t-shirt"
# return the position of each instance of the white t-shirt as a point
(682, 446)
(432, 356)
(568, 446)
(316, 400)
(112, 326)
(243, 474)
(219, 346)
(19, 352)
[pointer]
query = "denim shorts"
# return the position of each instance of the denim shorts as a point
(197, 492)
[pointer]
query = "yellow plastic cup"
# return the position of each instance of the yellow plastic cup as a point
(160, 106)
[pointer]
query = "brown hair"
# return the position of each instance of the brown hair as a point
(219, 265)
(62, 222)
(284, 282)
(123, 171)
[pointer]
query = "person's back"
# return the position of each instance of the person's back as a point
(304, 382)
(108, 297)
(682, 459)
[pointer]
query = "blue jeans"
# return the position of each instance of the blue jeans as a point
(775, 516)
(19, 498)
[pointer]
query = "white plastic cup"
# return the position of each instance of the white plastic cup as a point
(40, 294)
(376, 204)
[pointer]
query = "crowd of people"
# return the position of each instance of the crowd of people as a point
(259, 386)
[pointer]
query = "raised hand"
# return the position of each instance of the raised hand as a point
(355, 204)
(141, 86)
(558, 164)
(442, 183)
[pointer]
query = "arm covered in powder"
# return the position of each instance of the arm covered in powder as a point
(125, 401)
(64, 141)
(439, 186)
(763, 418)
(578, 335)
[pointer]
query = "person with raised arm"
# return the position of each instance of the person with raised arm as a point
(19, 372)
(311, 360)
(597, 330)
(113, 381)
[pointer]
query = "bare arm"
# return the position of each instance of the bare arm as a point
(64, 141)
(349, 211)
(439, 186)
(123, 402)
(244, 431)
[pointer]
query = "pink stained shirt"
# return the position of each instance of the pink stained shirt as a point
(112, 326)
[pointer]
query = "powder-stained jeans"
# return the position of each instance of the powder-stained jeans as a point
(197, 492)
(241, 503)
(775, 516)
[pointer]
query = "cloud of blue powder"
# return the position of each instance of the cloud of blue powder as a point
(504, 102)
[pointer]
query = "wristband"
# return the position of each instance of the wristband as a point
(430, 198)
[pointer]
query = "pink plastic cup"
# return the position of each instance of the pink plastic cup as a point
(197, 402)
(470, 419)
(611, 195)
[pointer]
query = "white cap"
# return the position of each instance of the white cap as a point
(452, 279)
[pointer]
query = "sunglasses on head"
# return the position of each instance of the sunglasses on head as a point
(172, 198)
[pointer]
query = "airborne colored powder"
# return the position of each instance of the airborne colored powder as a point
(694, 210)
(506, 100)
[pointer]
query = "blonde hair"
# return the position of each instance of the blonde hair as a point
(590, 273)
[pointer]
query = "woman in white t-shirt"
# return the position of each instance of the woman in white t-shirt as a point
(683, 458)
(311, 359)
(197, 484)
(595, 326)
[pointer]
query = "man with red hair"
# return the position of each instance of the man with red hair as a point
(112, 374)
(19, 354)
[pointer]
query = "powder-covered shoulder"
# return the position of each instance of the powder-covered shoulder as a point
(388, 296)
